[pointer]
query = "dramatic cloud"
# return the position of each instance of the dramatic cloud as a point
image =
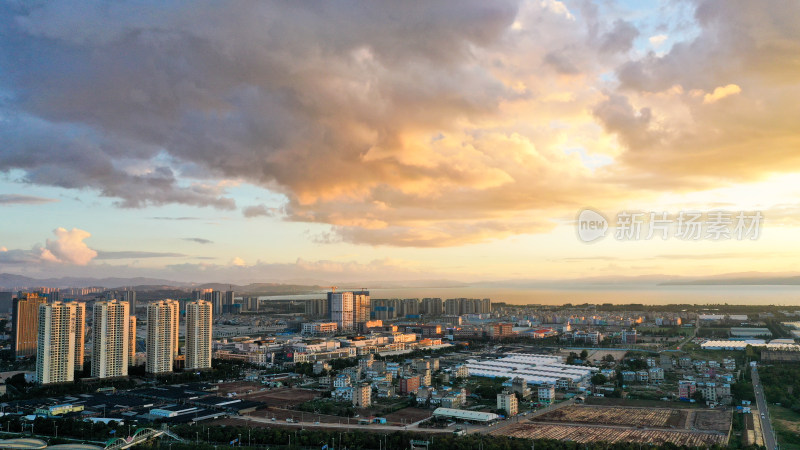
(68, 247)
(16, 199)
(399, 124)
(720, 106)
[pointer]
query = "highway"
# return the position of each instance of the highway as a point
(761, 402)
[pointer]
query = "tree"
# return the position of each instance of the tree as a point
(598, 379)
(584, 354)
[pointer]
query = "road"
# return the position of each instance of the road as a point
(346, 426)
(761, 402)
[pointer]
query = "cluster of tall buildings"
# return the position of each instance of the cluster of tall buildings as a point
(461, 306)
(350, 310)
(221, 302)
(126, 296)
(54, 332)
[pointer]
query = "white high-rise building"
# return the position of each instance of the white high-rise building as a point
(341, 304)
(198, 334)
(132, 341)
(55, 357)
(162, 335)
(110, 339)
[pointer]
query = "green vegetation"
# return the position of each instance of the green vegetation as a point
(708, 332)
(742, 389)
(735, 440)
(328, 407)
(787, 426)
(486, 388)
(598, 379)
(778, 329)
(781, 385)
(672, 331)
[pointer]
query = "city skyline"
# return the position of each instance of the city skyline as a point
(281, 142)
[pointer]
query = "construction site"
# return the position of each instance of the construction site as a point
(583, 423)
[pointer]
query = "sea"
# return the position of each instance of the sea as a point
(781, 295)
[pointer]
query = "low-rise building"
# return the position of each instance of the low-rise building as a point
(385, 390)
(519, 386)
(319, 328)
(57, 410)
(629, 336)
(507, 401)
(628, 375)
(341, 380)
(409, 384)
(686, 389)
(343, 394)
(709, 391)
(656, 375)
(546, 394)
(362, 396)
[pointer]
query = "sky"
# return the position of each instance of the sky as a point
(384, 141)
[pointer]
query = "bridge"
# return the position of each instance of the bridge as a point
(141, 436)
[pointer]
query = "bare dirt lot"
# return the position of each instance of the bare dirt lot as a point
(281, 415)
(600, 415)
(281, 397)
(238, 387)
(600, 354)
(408, 415)
(712, 421)
(582, 433)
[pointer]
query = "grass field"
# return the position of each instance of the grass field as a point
(787, 427)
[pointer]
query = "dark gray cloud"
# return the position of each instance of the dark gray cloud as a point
(19, 256)
(132, 254)
(620, 38)
(198, 240)
(258, 210)
(147, 108)
(17, 199)
(395, 123)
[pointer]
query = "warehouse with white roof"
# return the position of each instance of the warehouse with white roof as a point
(534, 369)
(463, 414)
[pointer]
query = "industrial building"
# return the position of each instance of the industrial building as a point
(534, 369)
(462, 414)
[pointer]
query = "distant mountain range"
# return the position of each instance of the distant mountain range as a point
(11, 281)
